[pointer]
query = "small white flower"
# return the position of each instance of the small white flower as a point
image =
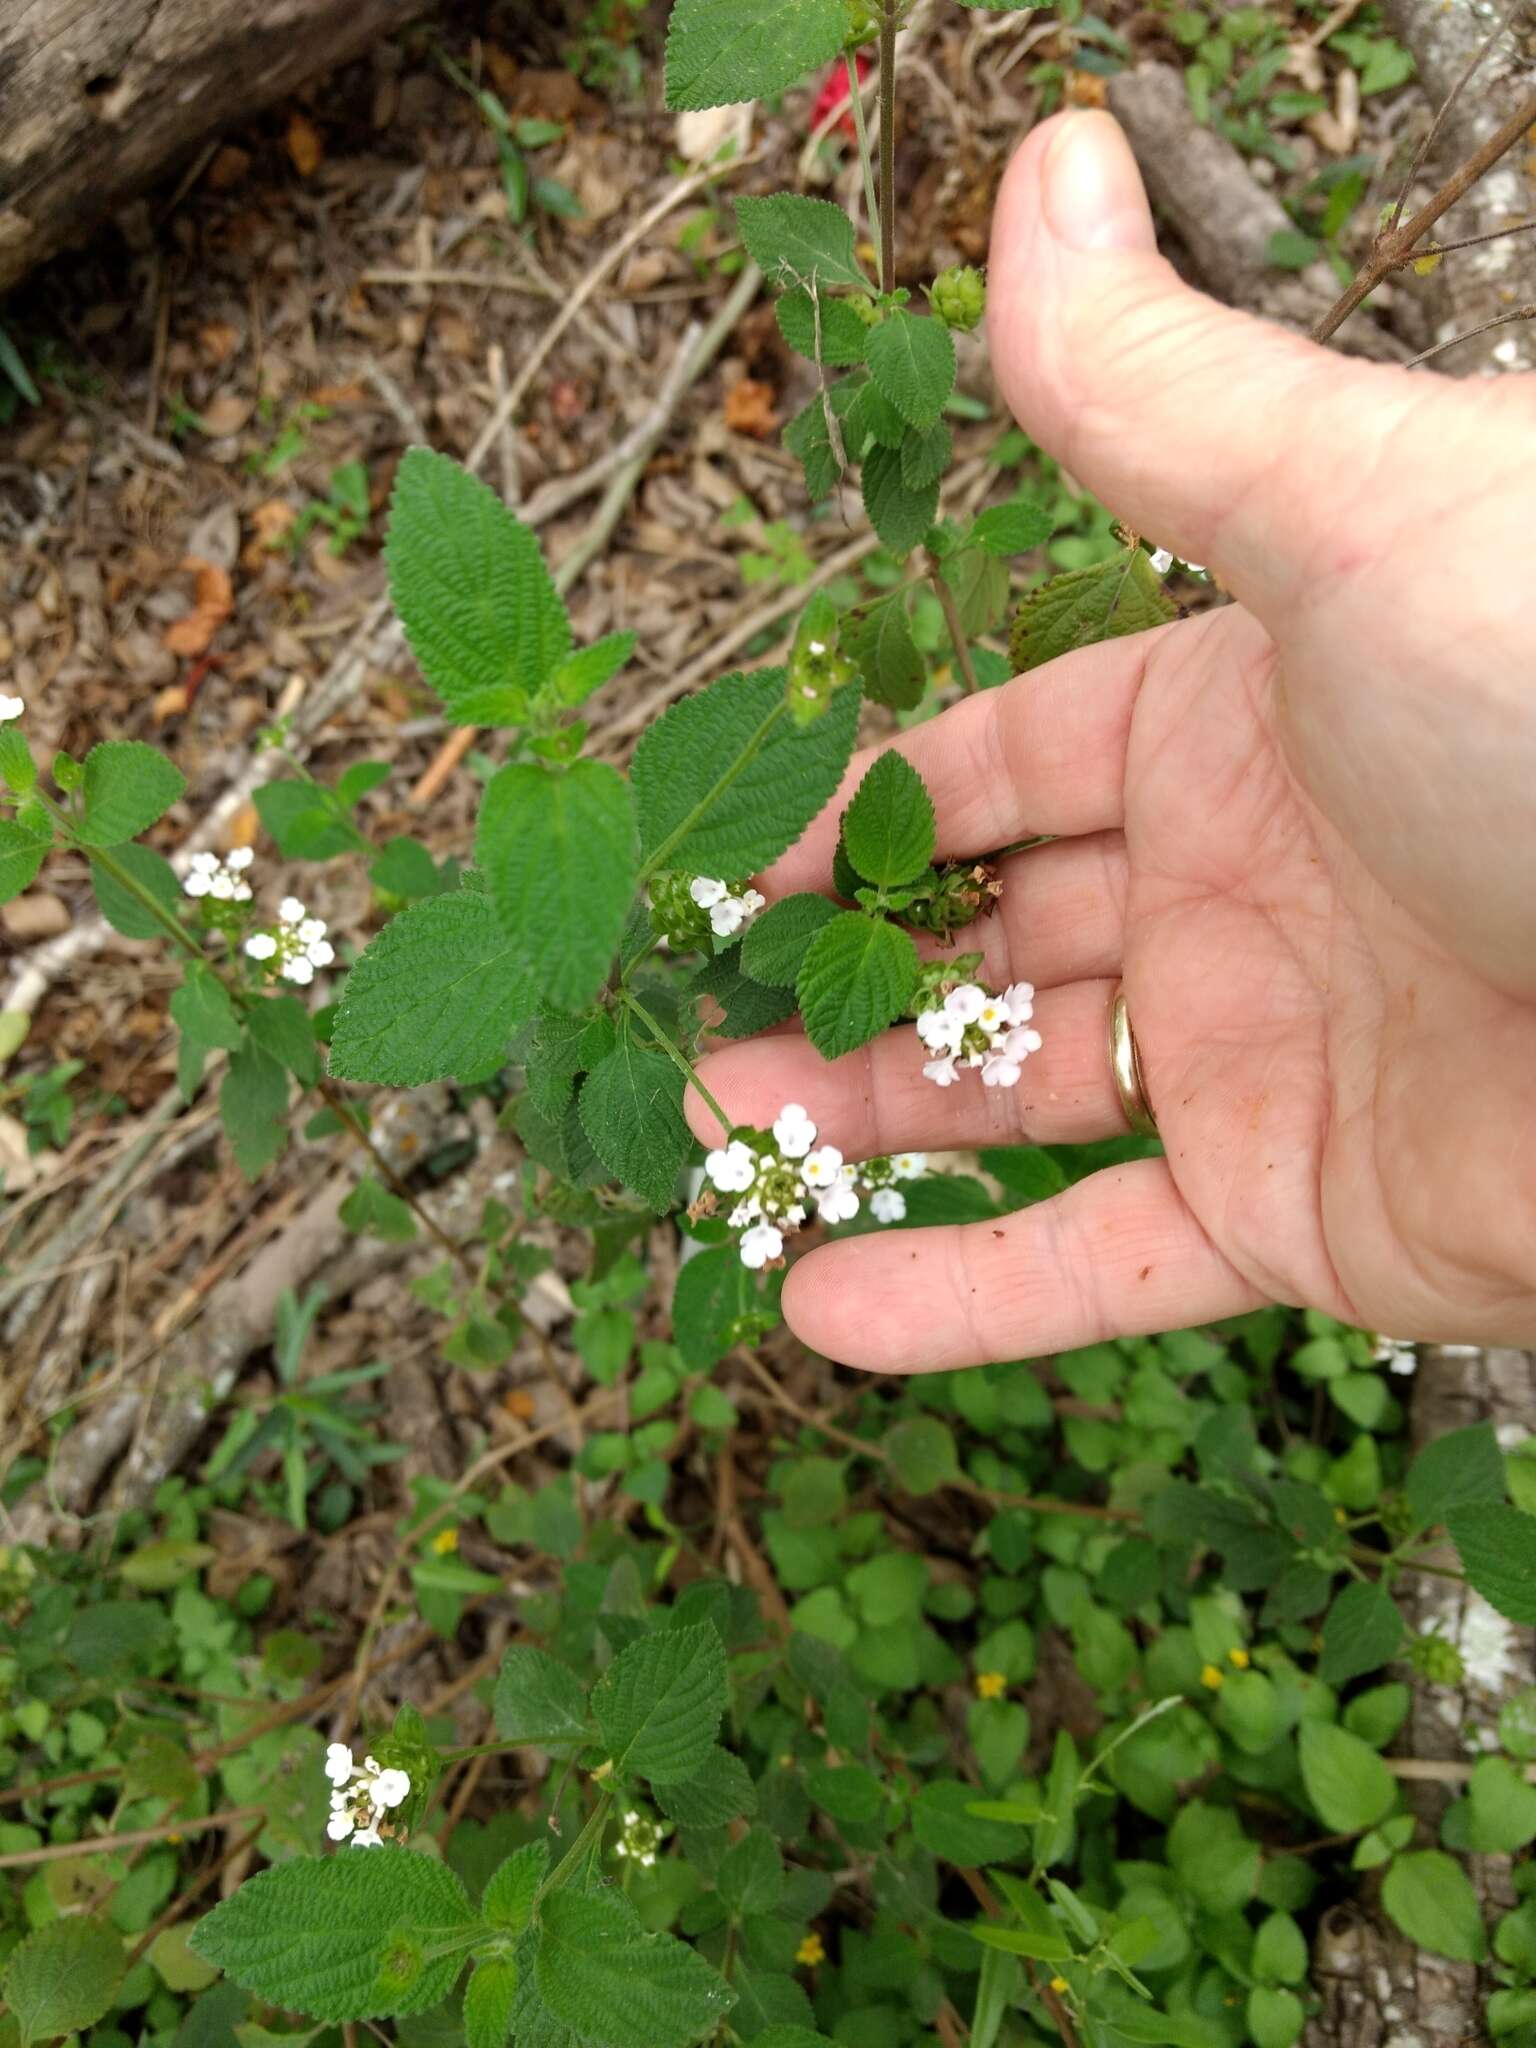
(321, 953)
(291, 910)
(367, 1838)
(261, 946)
(760, 1244)
(1486, 1642)
(648, 1859)
(795, 1132)
(338, 1763)
(240, 858)
(839, 1204)
(744, 1213)
(1511, 1435)
(908, 1165)
(999, 1072)
(1019, 1001)
(939, 1031)
(631, 1817)
(888, 1205)
(941, 1071)
(340, 1825)
(390, 1788)
(1162, 561)
(965, 1002)
(726, 918)
(733, 1168)
(300, 970)
(1397, 1354)
(753, 901)
(994, 1015)
(707, 892)
(10, 707)
(822, 1167)
(1020, 1042)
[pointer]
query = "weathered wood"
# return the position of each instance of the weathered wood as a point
(99, 97)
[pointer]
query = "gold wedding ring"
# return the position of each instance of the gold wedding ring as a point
(1125, 1065)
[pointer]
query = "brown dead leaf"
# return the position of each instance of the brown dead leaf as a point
(38, 916)
(1086, 89)
(749, 408)
(229, 166)
(504, 69)
(306, 145)
(225, 413)
(170, 703)
(218, 340)
(520, 1404)
(338, 394)
(214, 602)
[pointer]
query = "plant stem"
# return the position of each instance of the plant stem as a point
(679, 833)
(861, 127)
(169, 922)
(675, 1054)
(888, 146)
(341, 1108)
(946, 597)
(595, 1822)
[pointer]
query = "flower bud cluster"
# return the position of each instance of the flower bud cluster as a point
(959, 296)
(641, 1838)
(778, 1176)
(364, 1797)
(731, 906)
(296, 948)
(968, 1026)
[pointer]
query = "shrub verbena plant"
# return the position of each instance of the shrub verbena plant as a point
(712, 1778)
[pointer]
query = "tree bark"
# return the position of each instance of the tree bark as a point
(98, 97)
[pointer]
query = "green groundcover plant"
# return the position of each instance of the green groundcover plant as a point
(825, 1816)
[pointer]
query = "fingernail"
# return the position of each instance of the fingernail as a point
(1092, 191)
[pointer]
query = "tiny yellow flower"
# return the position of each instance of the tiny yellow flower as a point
(445, 1542)
(811, 1952)
(1341, 1518)
(1058, 1985)
(1240, 1658)
(991, 1685)
(1424, 265)
(1213, 1677)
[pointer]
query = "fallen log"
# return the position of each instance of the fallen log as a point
(100, 97)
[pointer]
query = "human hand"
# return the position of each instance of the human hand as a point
(1302, 828)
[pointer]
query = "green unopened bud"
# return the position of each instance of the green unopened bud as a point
(1437, 1659)
(959, 296)
(866, 308)
(863, 23)
(67, 772)
(959, 893)
(935, 981)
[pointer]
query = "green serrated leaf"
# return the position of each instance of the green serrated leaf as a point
(1011, 529)
(925, 455)
(1104, 601)
(922, 1453)
(912, 362)
(776, 942)
(605, 1977)
(489, 1998)
(1463, 1466)
(21, 855)
(744, 1006)
(539, 1699)
(479, 608)
(253, 1108)
(1362, 1631)
(888, 828)
(1497, 1548)
(881, 644)
(719, 1791)
(580, 674)
(121, 907)
(631, 1108)
(900, 515)
(724, 782)
(802, 242)
(280, 1025)
(440, 991)
(842, 333)
(127, 787)
(508, 1899)
(342, 1937)
(751, 1874)
(1346, 1780)
(809, 437)
(372, 1211)
(857, 977)
(659, 1704)
(558, 853)
(63, 1978)
(714, 1292)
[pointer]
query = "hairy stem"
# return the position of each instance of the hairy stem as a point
(591, 1832)
(871, 203)
(946, 597)
(888, 146)
(675, 838)
(677, 1056)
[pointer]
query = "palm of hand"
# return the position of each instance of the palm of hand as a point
(1334, 1090)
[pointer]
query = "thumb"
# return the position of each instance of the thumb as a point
(1215, 434)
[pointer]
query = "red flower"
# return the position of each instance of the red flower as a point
(834, 94)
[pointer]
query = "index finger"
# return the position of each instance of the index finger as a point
(1042, 754)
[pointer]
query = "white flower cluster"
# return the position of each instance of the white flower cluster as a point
(641, 1839)
(1163, 561)
(730, 911)
(297, 947)
(1487, 1645)
(972, 1028)
(776, 1175)
(1397, 1354)
(224, 880)
(10, 707)
(364, 1797)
